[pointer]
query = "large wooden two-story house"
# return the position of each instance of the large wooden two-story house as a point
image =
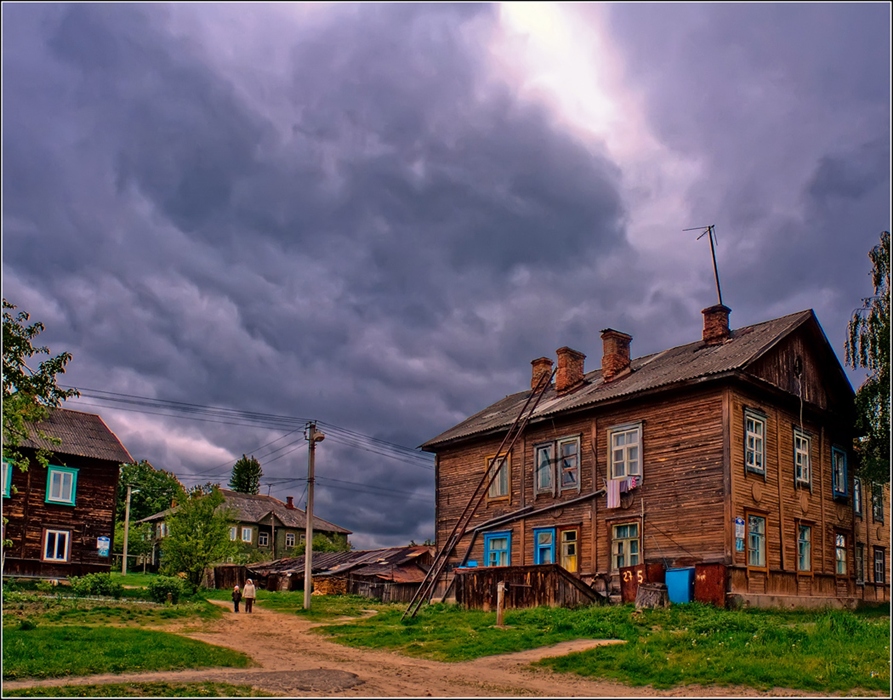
(62, 517)
(733, 451)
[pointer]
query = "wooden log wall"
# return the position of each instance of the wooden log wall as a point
(91, 517)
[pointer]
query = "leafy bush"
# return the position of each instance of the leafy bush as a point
(95, 584)
(164, 585)
(26, 624)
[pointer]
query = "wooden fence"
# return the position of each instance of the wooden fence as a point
(526, 587)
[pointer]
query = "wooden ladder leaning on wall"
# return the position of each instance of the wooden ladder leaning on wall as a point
(426, 588)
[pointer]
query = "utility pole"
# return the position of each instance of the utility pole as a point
(126, 531)
(312, 435)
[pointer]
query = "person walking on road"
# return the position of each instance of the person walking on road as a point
(237, 596)
(249, 593)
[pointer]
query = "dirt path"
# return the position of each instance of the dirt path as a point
(294, 662)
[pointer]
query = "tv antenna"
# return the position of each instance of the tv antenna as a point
(710, 231)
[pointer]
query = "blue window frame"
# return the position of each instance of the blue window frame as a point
(838, 473)
(498, 549)
(62, 483)
(7, 479)
(544, 545)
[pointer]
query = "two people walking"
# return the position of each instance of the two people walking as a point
(248, 594)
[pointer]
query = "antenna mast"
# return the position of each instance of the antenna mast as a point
(710, 231)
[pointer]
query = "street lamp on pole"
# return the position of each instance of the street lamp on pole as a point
(126, 529)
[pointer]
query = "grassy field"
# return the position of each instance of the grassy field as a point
(66, 650)
(141, 690)
(831, 651)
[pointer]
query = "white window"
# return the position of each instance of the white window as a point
(838, 472)
(625, 456)
(804, 548)
(860, 562)
(840, 554)
(7, 479)
(545, 465)
(877, 503)
(55, 545)
(263, 539)
(857, 495)
(625, 545)
(162, 530)
(499, 487)
(880, 566)
(61, 485)
(246, 534)
(558, 463)
(754, 442)
(801, 457)
(289, 539)
(232, 533)
(756, 541)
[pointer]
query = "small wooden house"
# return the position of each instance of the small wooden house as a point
(732, 453)
(62, 517)
(264, 522)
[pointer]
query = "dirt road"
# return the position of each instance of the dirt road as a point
(294, 662)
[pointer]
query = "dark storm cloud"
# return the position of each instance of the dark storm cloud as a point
(352, 266)
(786, 109)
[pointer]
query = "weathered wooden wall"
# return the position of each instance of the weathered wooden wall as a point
(91, 517)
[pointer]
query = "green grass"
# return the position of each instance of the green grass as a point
(806, 650)
(52, 651)
(141, 690)
(134, 578)
(49, 610)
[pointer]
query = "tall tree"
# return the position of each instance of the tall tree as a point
(246, 475)
(198, 535)
(868, 347)
(28, 392)
(152, 490)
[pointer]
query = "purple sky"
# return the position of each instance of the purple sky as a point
(376, 215)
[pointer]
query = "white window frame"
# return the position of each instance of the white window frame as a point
(263, 539)
(802, 457)
(7, 479)
(756, 541)
(839, 473)
(501, 486)
(53, 556)
(840, 554)
(626, 549)
(754, 442)
(66, 493)
(804, 547)
(544, 468)
(561, 470)
(248, 531)
(880, 565)
(549, 474)
(289, 539)
(233, 533)
(619, 454)
(857, 496)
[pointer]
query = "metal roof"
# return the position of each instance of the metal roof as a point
(254, 508)
(661, 370)
(82, 435)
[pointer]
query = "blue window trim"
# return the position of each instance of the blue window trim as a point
(488, 537)
(7, 479)
(836, 492)
(74, 484)
(537, 549)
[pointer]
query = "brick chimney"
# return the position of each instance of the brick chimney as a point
(541, 366)
(615, 357)
(716, 324)
(570, 369)
(289, 502)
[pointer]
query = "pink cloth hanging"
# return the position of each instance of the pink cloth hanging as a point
(613, 493)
